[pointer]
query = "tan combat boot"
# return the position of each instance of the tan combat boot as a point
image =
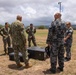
(19, 65)
(28, 65)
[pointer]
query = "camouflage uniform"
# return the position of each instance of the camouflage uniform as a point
(68, 42)
(19, 41)
(31, 31)
(55, 39)
(5, 33)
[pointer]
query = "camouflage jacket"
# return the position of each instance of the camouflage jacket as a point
(18, 33)
(5, 32)
(69, 31)
(56, 31)
(31, 31)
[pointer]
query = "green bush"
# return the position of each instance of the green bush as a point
(1, 26)
(41, 27)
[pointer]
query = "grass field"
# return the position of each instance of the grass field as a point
(39, 67)
(41, 37)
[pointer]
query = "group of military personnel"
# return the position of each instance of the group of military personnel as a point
(18, 37)
(59, 37)
(5, 32)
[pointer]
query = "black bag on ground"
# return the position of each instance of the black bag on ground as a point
(47, 50)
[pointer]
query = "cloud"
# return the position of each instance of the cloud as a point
(36, 11)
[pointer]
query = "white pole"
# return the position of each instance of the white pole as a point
(59, 6)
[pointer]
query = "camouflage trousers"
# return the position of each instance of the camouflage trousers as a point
(6, 41)
(22, 49)
(68, 49)
(33, 41)
(57, 54)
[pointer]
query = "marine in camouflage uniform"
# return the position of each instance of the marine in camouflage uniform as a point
(68, 41)
(55, 41)
(5, 33)
(31, 37)
(19, 41)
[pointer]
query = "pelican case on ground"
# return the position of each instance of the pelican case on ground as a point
(34, 52)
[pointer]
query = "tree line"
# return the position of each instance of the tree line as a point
(41, 26)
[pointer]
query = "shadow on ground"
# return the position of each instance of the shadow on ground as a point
(2, 54)
(14, 67)
(49, 72)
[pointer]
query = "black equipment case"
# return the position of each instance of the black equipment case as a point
(34, 52)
